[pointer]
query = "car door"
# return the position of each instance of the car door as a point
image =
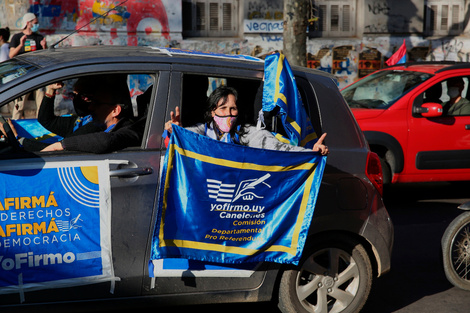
(439, 147)
(189, 87)
(119, 224)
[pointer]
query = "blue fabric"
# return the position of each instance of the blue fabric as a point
(81, 121)
(227, 203)
(214, 133)
(280, 90)
(110, 128)
(31, 128)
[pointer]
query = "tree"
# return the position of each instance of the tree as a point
(295, 31)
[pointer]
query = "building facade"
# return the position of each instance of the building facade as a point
(349, 38)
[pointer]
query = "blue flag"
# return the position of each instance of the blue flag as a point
(280, 91)
(31, 128)
(227, 203)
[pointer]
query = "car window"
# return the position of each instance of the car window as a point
(13, 69)
(382, 89)
(197, 88)
(435, 94)
(59, 118)
(441, 93)
(445, 89)
(455, 96)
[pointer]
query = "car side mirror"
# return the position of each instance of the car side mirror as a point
(430, 109)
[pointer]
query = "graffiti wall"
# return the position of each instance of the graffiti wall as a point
(159, 23)
(122, 22)
(263, 16)
(393, 16)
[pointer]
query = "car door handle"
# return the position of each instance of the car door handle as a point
(131, 172)
(467, 127)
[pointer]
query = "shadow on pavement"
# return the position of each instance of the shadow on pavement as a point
(420, 214)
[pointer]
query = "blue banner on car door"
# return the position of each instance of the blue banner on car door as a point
(54, 225)
(227, 203)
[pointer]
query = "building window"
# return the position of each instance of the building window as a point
(444, 18)
(210, 18)
(335, 18)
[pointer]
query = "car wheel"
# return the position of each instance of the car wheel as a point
(334, 275)
(456, 251)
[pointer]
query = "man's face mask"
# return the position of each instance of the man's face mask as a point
(225, 123)
(454, 92)
(35, 28)
(81, 104)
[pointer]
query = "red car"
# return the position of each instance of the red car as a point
(407, 113)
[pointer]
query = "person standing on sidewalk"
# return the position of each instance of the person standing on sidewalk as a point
(27, 41)
(4, 45)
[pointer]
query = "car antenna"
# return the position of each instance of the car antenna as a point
(52, 47)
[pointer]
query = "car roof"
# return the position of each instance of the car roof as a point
(70, 56)
(96, 54)
(429, 67)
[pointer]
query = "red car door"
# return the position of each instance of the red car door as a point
(438, 148)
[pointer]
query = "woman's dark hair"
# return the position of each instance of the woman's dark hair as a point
(221, 92)
(5, 33)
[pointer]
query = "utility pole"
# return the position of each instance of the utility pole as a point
(295, 31)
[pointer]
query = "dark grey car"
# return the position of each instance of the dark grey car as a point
(350, 238)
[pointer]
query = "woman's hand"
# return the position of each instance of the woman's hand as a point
(175, 119)
(320, 147)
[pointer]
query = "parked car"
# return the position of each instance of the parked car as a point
(349, 242)
(401, 110)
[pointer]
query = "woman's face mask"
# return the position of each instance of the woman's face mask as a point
(453, 92)
(225, 123)
(225, 115)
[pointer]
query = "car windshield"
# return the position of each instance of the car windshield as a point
(381, 89)
(12, 69)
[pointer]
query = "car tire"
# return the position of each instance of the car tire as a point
(386, 171)
(334, 275)
(456, 251)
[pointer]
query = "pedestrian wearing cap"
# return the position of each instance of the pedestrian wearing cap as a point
(27, 41)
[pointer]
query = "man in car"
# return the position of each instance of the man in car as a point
(87, 91)
(73, 124)
(457, 105)
(111, 110)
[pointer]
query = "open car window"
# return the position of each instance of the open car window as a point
(46, 120)
(197, 88)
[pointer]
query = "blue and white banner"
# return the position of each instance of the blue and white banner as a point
(280, 91)
(54, 225)
(227, 203)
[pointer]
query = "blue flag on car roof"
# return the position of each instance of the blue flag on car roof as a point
(280, 91)
(227, 203)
